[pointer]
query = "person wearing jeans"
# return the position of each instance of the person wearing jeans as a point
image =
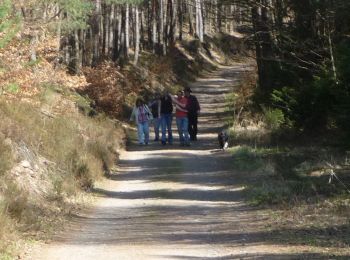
(166, 116)
(141, 115)
(155, 108)
(181, 118)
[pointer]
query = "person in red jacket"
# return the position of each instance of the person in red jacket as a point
(181, 118)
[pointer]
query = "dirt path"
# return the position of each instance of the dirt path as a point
(173, 203)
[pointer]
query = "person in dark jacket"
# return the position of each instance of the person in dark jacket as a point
(155, 109)
(193, 109)
(166, 117)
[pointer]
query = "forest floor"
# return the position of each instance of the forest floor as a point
(167, 202)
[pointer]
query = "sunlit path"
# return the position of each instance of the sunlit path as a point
(171, 203)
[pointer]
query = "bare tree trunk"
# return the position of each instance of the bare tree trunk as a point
(33, 45)
(173, 27)
(142, 29)
(181, 18)
(190, 18)
(154, 26)
(219, 15)
(59, 32)
(330, 42)
(77, 53)
(161, 31)
(96, 30)
(126, 29)
(137, 35)
(119, 30)
(199, 21)
(111, 37)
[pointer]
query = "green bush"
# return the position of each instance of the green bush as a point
(308, 107)
(274, 118)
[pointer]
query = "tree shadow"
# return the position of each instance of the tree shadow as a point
(264, 256)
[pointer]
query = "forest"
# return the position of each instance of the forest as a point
(77, 66)
(301, 47)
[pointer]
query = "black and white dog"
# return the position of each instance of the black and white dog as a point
(223, 140)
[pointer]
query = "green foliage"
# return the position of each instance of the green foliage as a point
(9, 24)
(273, 118)
(77, 13)
(308, 107)
(12, 88)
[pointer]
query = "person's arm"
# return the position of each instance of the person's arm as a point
(177, 103)
(197, 105)
(181, 108)
(148, 112)
(159, 104)
(132, 114)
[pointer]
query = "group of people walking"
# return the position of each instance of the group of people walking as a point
(159, 112)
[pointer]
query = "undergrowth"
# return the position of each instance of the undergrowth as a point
(75, 152)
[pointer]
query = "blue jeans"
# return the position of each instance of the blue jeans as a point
(166, 120)
(156, 125)
(182, 128)
(143, 132)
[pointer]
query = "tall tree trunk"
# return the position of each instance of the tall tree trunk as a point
(172, 23)
(154, 26)
(181, 18)
(111, 37)
(126, 32)
(142, 29)
(219, 15)
(331, 52)
(118, 34)
(162, 19)
(264, 43)
(199, 21)
(77, 53)
(137, 35)
(190, 18)
(96, 30)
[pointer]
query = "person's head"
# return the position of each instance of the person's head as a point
(157, 95)
(139, 102)
(166, 93)
(180, 93)
(187, 91)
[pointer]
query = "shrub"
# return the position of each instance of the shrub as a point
(7, 232)
(274, 118)
(309, 106)
(6, 157)
(15, 199)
